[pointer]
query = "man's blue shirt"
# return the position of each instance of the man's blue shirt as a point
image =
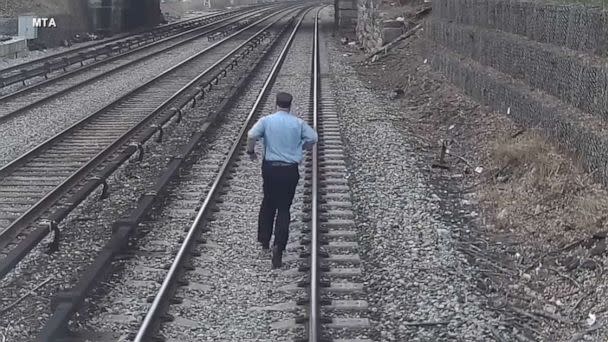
(284, 136)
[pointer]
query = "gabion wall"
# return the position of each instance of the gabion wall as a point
(581, 81)
(532, 109)
(573, 26)
(519, 58)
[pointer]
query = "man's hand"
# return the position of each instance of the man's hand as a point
(253, 156)
(307, 146)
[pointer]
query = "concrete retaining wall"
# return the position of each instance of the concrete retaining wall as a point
(540, 65)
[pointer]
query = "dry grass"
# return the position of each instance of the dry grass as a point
(542, 193)
(530, 157)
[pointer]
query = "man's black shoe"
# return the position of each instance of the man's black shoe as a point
(277, 257)
(265, 246)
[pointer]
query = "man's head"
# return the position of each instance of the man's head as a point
(284, 100)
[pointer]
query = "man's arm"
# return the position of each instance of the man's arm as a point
(309, 136)
(255, 133)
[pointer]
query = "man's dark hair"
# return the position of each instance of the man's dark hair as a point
(284, 100)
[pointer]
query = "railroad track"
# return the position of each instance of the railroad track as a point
(50, 66)
(216, 197)
(336, 305)
(54, 174)
(320, 295)
(27, 98)
(323, 269)
(209, 145)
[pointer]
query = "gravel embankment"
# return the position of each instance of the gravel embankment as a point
(228, 291)
(27, 131)
(87, 229)
(412, 269)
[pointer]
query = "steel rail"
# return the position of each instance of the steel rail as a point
(314, 331)
(223, 22)
(53, 196)
(161, 297)
(124, 36)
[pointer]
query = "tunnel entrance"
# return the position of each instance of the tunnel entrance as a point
(140, 13)
(113, 16)
(101, 15)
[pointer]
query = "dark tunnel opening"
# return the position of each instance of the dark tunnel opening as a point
(104, 16)
(141, 13)
(113, 16)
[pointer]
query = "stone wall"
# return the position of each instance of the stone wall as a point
(379, 22)
(369, 24)
(542, 65)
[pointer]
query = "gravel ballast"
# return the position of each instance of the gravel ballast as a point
(413, 271)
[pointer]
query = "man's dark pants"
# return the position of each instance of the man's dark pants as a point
(279, 188)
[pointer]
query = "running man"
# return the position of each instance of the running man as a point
(285, 137)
